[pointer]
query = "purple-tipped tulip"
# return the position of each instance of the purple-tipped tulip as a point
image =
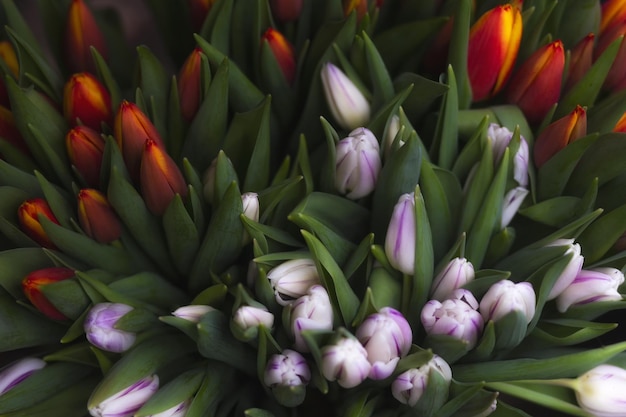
(358, 163)
(179, 410)
(500, 138)
(506, 296)
(345, 362)
(387, 337)
(571, 271)
(247, 317)
(511, 204)
(454, 317)
(312, 311)
(347, 104)
(409, 386)
(591, 285)
(18, 371)
(127, 401)
(292, 279)
(100, 327)
(400, 238)
(456, 274)
(287, 375)
(600, 391)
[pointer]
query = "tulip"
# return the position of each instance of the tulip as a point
(81, 33)
(100, 327)
(557, 135)
(179, 410)
(87, 100)
(620, 126)
(132, 128)
(198, 10)
(283, 52)
(494, 41)
(505, 297)
(500, 138)
(393, 127)
(36, 280)
(346, 362)
(85, 148)
(536, 86)
(286, 10)
(250, 203)
(9, 132)
(455, 318)
(28, 215)
(247, 317)
(571, 270)
(128, 401)
(600, 391)
(357, 6)
(160, 178)
(581, 58)
(192, 313)
(408, 388)
(511, 203)
(16, 372)
(96, 216)
(387, 337)
(8, 56)
(347, 104)
(312, 311)
(400, 238)
(357, 163)
(591, 285)
(613, 13)
(292, 279)
(457, 273)
(287, 375)
(190, 84)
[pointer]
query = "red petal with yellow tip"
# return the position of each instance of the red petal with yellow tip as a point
(85, 148)
(283, 51)
(96, 216)
(189, 84)
(28, 215)
(86, 99)
(33, 282)
(559, 134)
(81, 33)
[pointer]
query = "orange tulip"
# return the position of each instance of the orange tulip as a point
(559, 134)
(620, 126)
(283, 51)
(28, 215)
(96, 216)
(33, 283)
(85, 148)
(613, 13)
(81, 33)
(87, 100)
(493, 46)
(189, 84)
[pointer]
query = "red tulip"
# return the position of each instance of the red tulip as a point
(96, 216)
(87, 100)
(189, 84)
(85, 148)
(559, 134)
(581, 58)
(36, 280)
(28, 215)
(82, 32)
(283, 51)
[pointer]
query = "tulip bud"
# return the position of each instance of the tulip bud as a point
(100, 327)
(82, 32)
(283, 52)
(160, 178)
(9, 132)
(87, 100)
(387, 337)
(456, 274)
(453, 317)
(494, 41)
(287, 374)
(500, 138)
(536, 86)
(28, 215)
(581, 58)
(347, 104)
(128, 401)
(620, 126)
(357, 6)
(34, 282)
(591, 285)
(192, 313)
(96, 216)
(346, 362)
(179, 410)
(286, 10)
(247, 317)
(312, 311)
(189, 84)
(358, 164)
(400, 238)
(132, 128)
(409, 386)
(198, 10)
(615, 79)
(558, 134)
(613, 13)
(600, 391)
(16, 372)
(504, 297)
(292, 279)
(85, 148)
(393, 127)
(571, 271)
(250, 202)
(511, 204)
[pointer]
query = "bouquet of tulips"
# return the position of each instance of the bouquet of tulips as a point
(300, 207)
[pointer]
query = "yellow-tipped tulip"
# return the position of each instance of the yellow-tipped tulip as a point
(86, 99)
(358, 6)
(33, 282)
(85, 148)
(613, 13)
(616, 78)
(96, 216)
(283, 51)
(620, 126)
(28, 215)
(559, 134)
(493, 46)
(189, 84)
(81, 33)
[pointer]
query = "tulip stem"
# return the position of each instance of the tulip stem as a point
(406, 293)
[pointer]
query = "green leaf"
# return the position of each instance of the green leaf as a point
(380, 78)
(180, 389)
(597, 239)
(555, 212)
(424, 94)
(16, 263)
(109, 81)
(457, 54)
(68, 297)
(605, 160)
(445, 143)
(181, 234)
(150, 288)
(567, 332)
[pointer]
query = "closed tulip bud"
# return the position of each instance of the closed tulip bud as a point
(347, 104)
(96, 216)
(536, 86)
(591, 285)
(387, 337)
(100, 327)
(198, 10)
(400, 238)
(456, 274)
(292, 279)
(504, 297)
(81, 33)
(247, 317)
(16, 372)
(9, 132)
(558, 134)
(513, 200)
(453, 317)
(160, 178)
(615, 79)
(190, 85)
(346, 362)
(87, 100)
(28, 215)
(128, 401)
(250, 202)
(179, 410)
(613, 13)
(493, 46)
(312, 311)
(357, 6)
(581, 58)
(85, 148)
(358, 163)
(132, 128)
(192, 313)
(500, 138)
(287, 375)
(393, 127)
(409, 387)
(286, 10)
(33, 283)
(600, 391)
(283, 52)
(571, 271)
